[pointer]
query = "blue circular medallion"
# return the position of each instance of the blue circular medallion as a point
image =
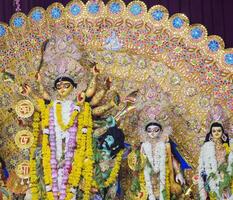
(157, 15)
(37, 15)
(94, 8)
(18, 22)
(213, 45)
(2, 31)
(229, 58)
(196, 33)
(75, 9)
(56, 13)
(178, 22)
(136, 9)
(115, 7)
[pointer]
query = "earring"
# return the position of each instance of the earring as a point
(211, 138)
(224, 137)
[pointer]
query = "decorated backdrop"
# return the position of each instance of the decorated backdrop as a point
(146, 50)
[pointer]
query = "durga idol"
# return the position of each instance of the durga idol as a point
(64, 117)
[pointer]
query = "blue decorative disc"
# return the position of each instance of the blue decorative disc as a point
(229, 58)
(157, 15)
(94, 8)
(56, 13)
(18, 22)
(178, 22)
(75, 9)
(37, 15)
(115, 7)
(136, 9)
(2, 31)
(213, 45)
(196, 33)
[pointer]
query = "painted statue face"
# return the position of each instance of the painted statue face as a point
(64, 88)
(153, 131)
(217, 132)
(109, 140)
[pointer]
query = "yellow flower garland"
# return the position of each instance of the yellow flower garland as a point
(167, 181)
(33, 174)
(212, 196)
(59, 117)
(88, 162)
(142, 179)
(44, 113)
(232, 187)
(114, 173)
(46, 153)
(228, 149)
(83, 156)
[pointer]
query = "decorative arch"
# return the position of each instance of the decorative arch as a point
(192, 66)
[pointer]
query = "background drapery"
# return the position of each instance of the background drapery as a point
(215, 15)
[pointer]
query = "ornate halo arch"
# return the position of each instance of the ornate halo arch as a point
(194, 68)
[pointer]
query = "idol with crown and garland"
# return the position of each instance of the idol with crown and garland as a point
(63, 127)
(216, 159)
(156, 160)
(65, 116)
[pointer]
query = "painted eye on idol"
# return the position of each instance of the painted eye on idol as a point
(153, 131)
(64, 88)
(62, 84)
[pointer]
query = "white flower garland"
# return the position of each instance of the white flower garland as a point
(60, 135)
(208, 163)
(157, 159)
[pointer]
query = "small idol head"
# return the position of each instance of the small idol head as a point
(153, 130)
(217, 133)
(112, 141)
(64, 86)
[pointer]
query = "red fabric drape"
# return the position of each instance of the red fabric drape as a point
(215, 15)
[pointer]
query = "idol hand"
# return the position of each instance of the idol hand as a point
(38, 77)
(81, 97)
(180, 179)
(96, 71)
(25, 90)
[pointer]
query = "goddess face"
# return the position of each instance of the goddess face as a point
(153, 131)
(64, 88)
(216, 132)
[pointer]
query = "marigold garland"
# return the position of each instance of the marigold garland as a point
(114, 173)
(88, 162)
(167, 181)
(73, 116)
(228, 149)
(142, 181)
(33, 174)
(232, 187)
(46, 153)
(44, 113)
(83, 156)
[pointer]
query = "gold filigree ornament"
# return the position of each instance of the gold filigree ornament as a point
(23, 170)
(24, 108)
(24, 139)
(132, 161)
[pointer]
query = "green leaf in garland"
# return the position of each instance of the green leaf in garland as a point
(164, 194)
(212, 176)
(135, 186)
